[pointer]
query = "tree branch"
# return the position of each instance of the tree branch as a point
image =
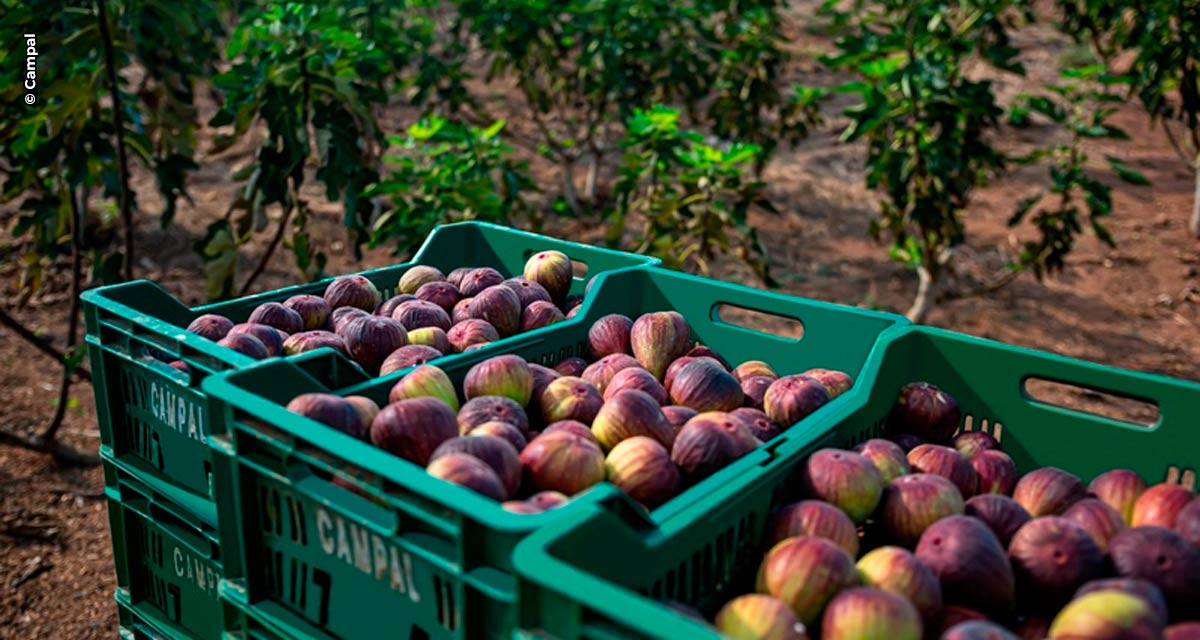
(279, 231)
(40, 343)
(110, 68)
(1176, 145)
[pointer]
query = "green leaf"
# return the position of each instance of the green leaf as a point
(1126, 172)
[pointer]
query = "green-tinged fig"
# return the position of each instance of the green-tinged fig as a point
(1000, 513)
(978, 630)
(470, 472)
(461, 311)
(601, 372)
(995, 471)
(844, 479)
(353, 291)
(276, 315)
(1048, 491)
(371, 339)
(1163, 557)
(211, 326)
(1106, 615)
(413, 428)
(418, 276)
(925, 411)
(431, 337)
(570, 398)
(709, 442)
(426, 381)
(271, 337)
(528, 291)
(754, 389)
(835, 382)
(549, 499)
(969, 562)
(1187, 523)
(760, 426)
(572, 366)
(814, 518)
(367, 409)
(386, 309)
(540, 314)
(753, 368)
(1120, 489)
(477, 411)
(312, 340)
(562, 462)
(791, 399)
(246, 345)
(609, 334)
(418, 314)
(1099, 520)
(1143, 589)
(887, 456)
(756, 616)
(497, 453)
(553, 270)
(1159, 506)
(313, 310)
(330, 410)
(678, 416)
(508, 376)
(642, 468)
(657, 339)
(342, 316)
(408, 356)
(945, 462)
(864, 613)
(705, 386)
(631, 413)
(897, 570)
(573, 426)
(911, 503)
(471, 332)
(500, 307)
(806, 572)
(455, 276)
(970, 443)
(502, 430)
(441, 293)
(520, 507)
(636, 378)
(476, 280)
(1051, 558)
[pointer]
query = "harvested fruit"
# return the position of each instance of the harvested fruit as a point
(1099, 520)
(477, 411)
(331, 410)
(313, 310)
(246, 345)
(631, 413)
(506, 376)
(1159, 506)
(211, 326)
(704, 385)
(570, 398)
(468, 471)
(1051, 558)
(553, 270)
(897, 570)
(970, 443)
(910, 504)
(407, 356)
(412, 429)
(657, 339)
(313, 340)
(1000, 513)
(864, 613)
(925, 411)
(562, 462)
(1106, 615)
(371, 339)
(806, 572)
(970, 564)
(271, 337)
(497, 453)
(1164, 558)
(844, 479)
(814, 518)
(709, 442)
(1120, 488)
(636, 378)
(995, 472)
(945, 462)
(417, 277)
(758, 617)
(791, 399)
(1048, 491)
(274, 314)
(642, 467)
(887, 456)
(352, 291)
(609, 334)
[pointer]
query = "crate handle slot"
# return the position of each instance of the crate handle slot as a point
(758, 320)
(1091, 401)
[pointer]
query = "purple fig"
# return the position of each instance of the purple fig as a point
(1163, 557)
(499, 307)
(562, 462)
(408, 356)
(709, 442)
(312, 340)
(413, 428)
(945, 462)
(600, 372)
(906, 441)
(570, 398)
(470, 472)
(574, 427)
(456, 276)
(418, 314)
(911, 503)
(897, 570)
(1048, 491)
(814, 518)
(835, 382)
(528, 292)
(313, 310)
(572, 306)
(1159, 506)
(995, 471)
(1120, 488)
(703, 351)
(330, 410)
(521, 507)
(1099, 520)
(753, 368)
(367, 410)
(340, 317)
(387, 308)
(371, 339)
(631, 413)
(547, 500)
(571, 367)
(636, 378)
(476, 280)
(497, 453)
(806, 572)
(863, 613)
(970, 443)
(441, 293)
(678, 416)
(704, 386)
(461, 311)
(754, 389)
(887, 457)
(426, 381)
(276, 315)
(502, 430)
(1000, 513)
(657, 339)
(1187, 522)
(540, 314)
(418, 276)
(508, 376)
(271, 337)
(211, 326)
(609, 334)
(791, 399)
(246, 345)
(553, 270)
(1051, 558)
(353, 291)
(471, 332)
(845, 479)
(477, 411)
(756, 421)
(642, 468)
(1182, 631)
(969, 562)
(925, 411)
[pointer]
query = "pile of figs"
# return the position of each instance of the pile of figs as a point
(432, 315)
(652, 412)
(928, 534)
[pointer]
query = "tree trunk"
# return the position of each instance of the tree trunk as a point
(593, 175)
(923, 301)
(1195, 224)
(568, 169)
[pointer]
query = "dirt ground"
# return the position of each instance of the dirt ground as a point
(1135, 306)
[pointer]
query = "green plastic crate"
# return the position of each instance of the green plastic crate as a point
(154, 417)
(601, 576)
(425, 558)
(135, 625)
(168, 562)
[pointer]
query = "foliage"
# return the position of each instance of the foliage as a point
(691, 195)
(447, 172)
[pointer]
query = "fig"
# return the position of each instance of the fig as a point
(806, 572)
(572, 426)
(657, 339)
(1048, 491)
(704, 386)
(508, 376)
(274, 314)
(897, 570)
(477, 411)
(814, 518)
(412, 429)
(609, 334)
(969, 562)
(540, 314)
(417, 277)
(330, 410)
(246, 345)
(542, 377)
(547, 500)
(475, 347)
(572, 306)
(1187, 523)
(864, 613)
(312, 340)
(954, 615)
(500, 307)
(529, 292)
(371, 339)
(791, 399)
(570, 398)
(571, 367)
(553, 270)
(339, 318)
(313, 310)
(387, 308)
(1141, 588)
(1164, 558)
(906, 441)
(1032, 628)
(471, 332)
(600, 372)
(845, 479)
(925, 411)
(911, 503)
(1159, 506)
(477, 280)
(978, 630)
(970, 443)
(636, 378)
(1106, 615)
(1182, 631)
(1000, 513)
(211, 326)
(497, 453)
(502, 430)
(455, 276)
(668, 378)
(678, 416)
(178, 365)
(887, 456)
(642, 468)
(631, 413)
(1120, 489)
(468, 471)
(426, 381)
(441, 293)
(367, 409)
(520, 507)
(431, 337)
(760, 426)
(754, 389)
(709, 442)
(461, 311)
(758, 617)
(418, 314)
(1051, 558)
(562, 462)
(835, 382)
(1099, 520)
(995, 472)
(945, 462)
(408, 356)
(753, 368)
(352, 291)
(271, 337)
